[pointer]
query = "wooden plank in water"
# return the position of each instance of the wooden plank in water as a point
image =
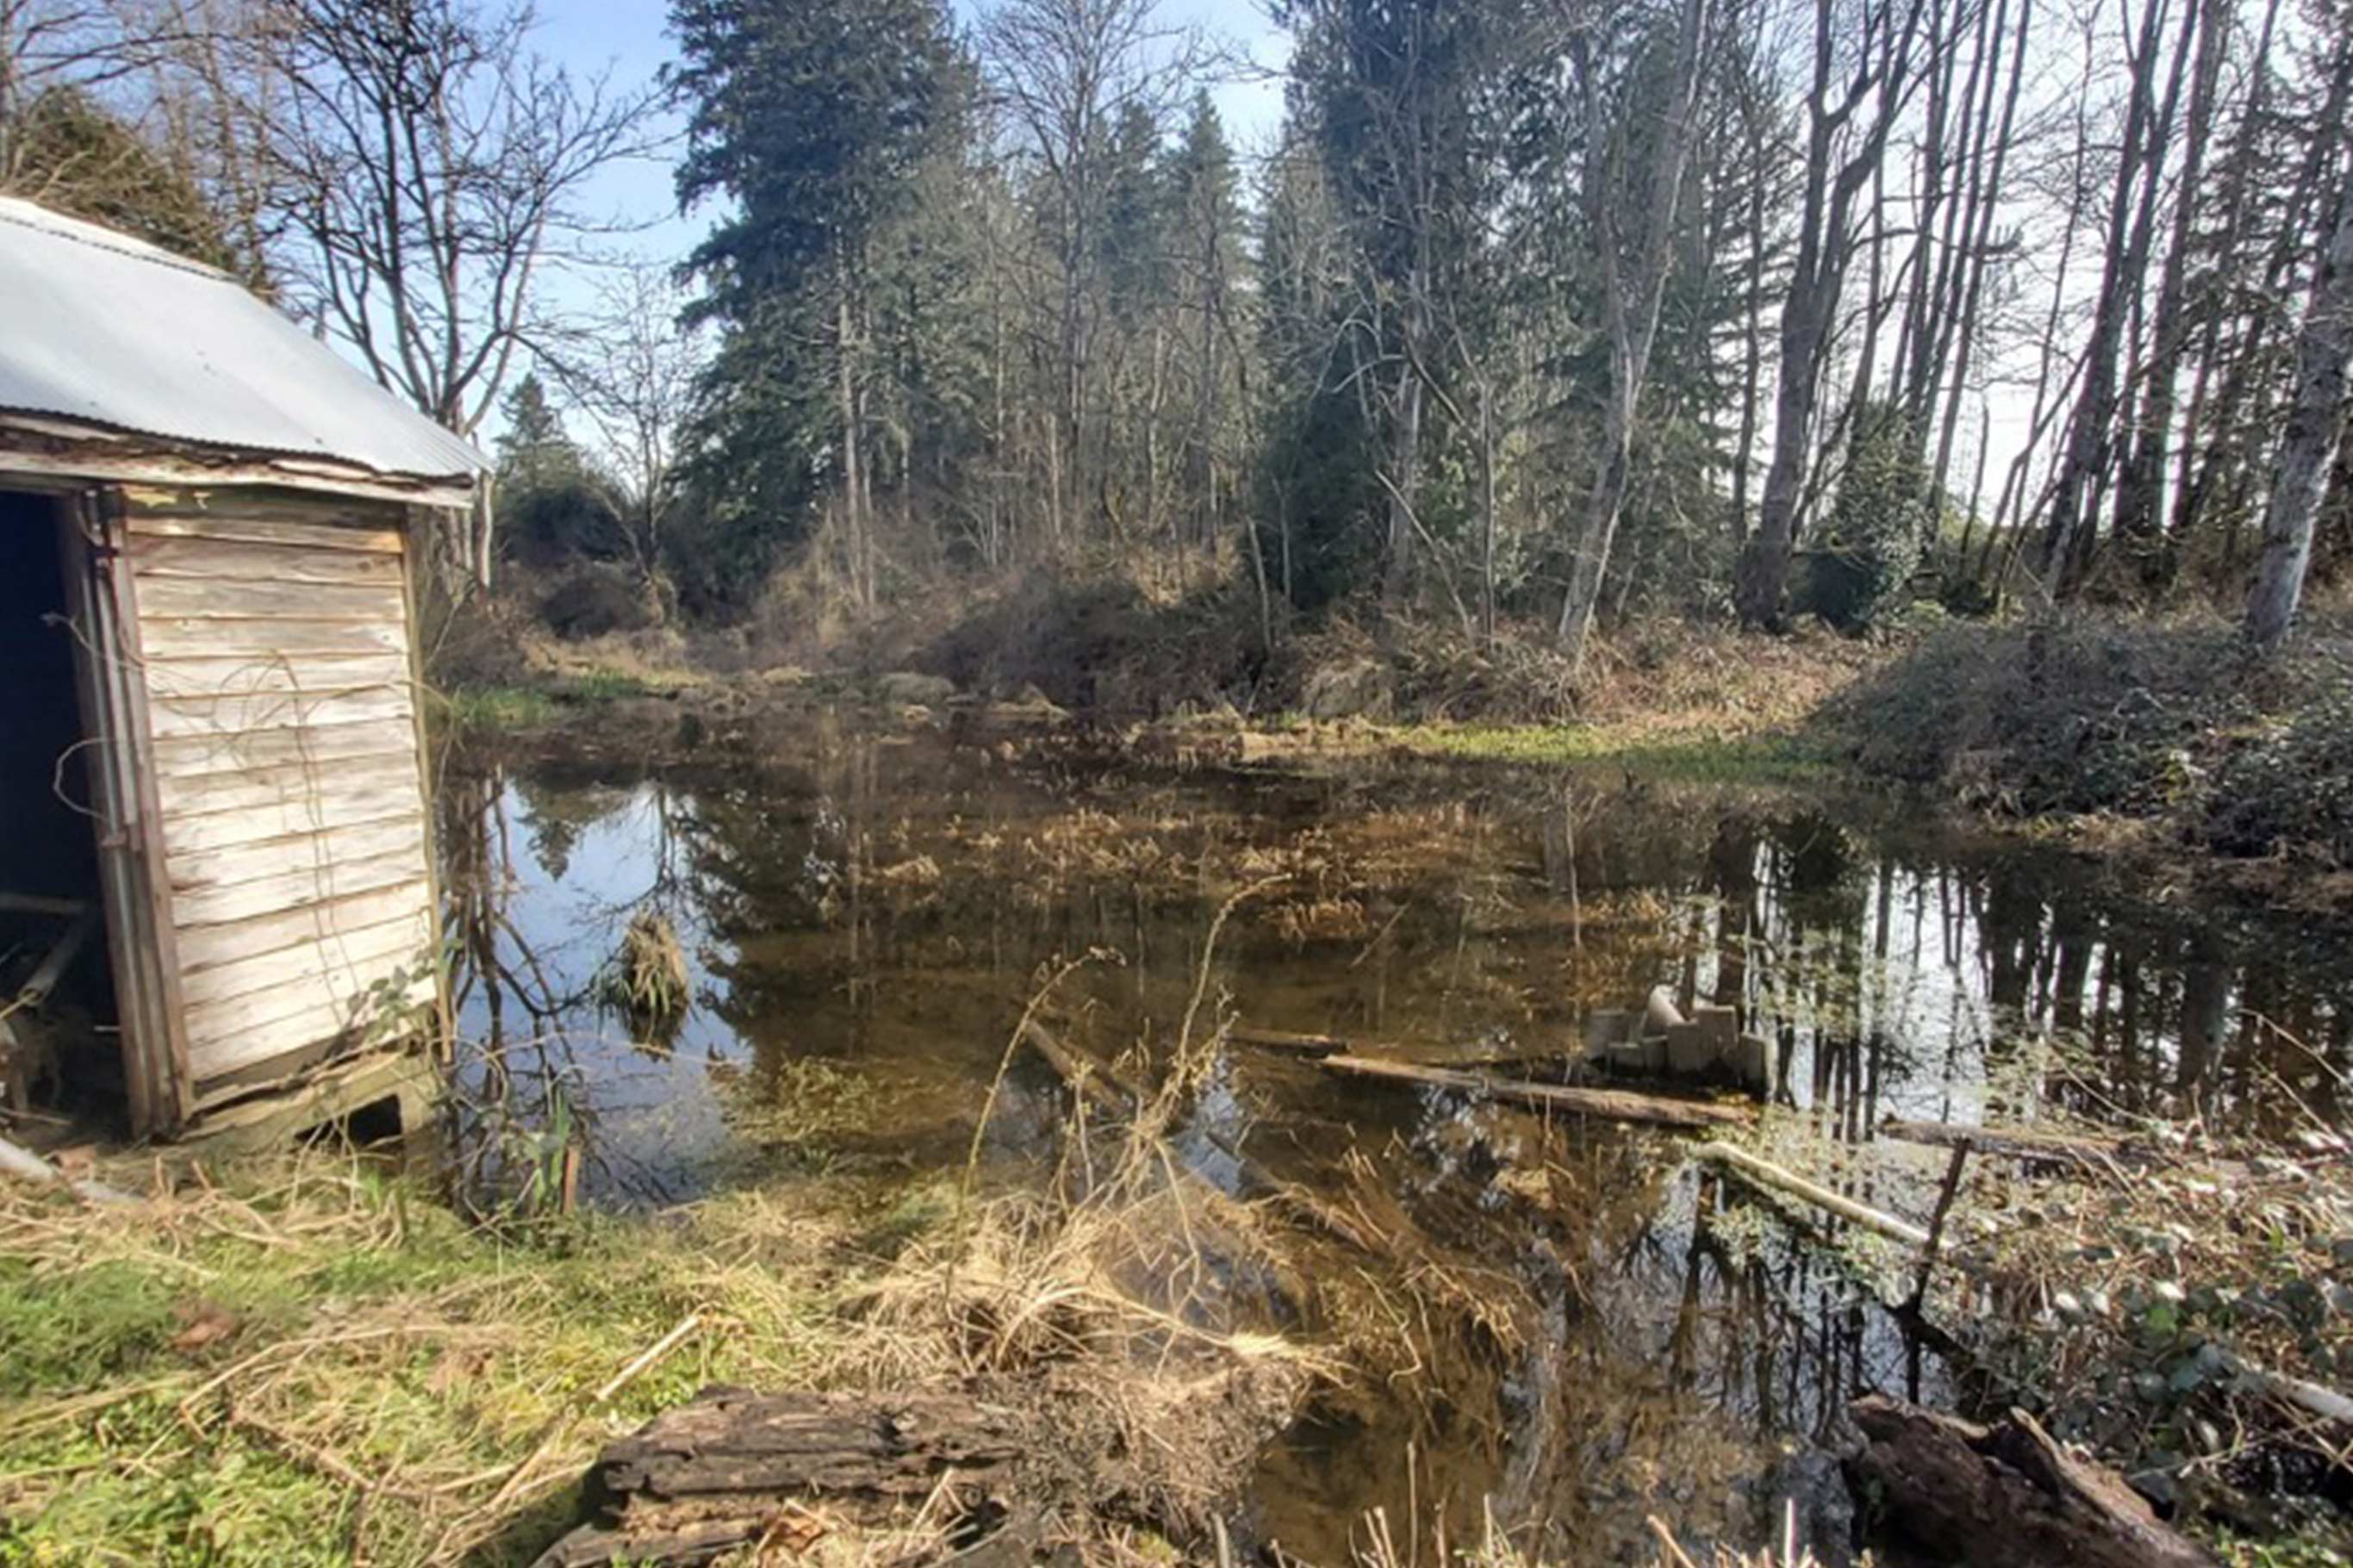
(2022, 1142)
(1610, 1104)
(1286, 1042)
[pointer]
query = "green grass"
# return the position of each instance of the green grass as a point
(601, 685)
(501, 708)
(371, 1333)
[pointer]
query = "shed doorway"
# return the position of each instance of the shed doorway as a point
(60, 1052)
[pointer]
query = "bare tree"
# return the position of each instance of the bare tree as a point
(433, 166)
(631, 371)
(2323, 350)
(1862, 116)
(1632, 285)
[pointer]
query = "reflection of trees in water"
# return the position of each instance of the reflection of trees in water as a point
(518, 1079)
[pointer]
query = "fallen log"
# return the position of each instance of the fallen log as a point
(718, 1474)
(2006, 1494)
(1765, 1174)
(1610, 1104)
(1285, 1043)
(2022, 1142)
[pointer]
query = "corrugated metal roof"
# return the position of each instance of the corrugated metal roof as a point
(103, 329)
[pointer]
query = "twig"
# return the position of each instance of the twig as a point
(646, 1358)
(1667, 1543)
(1944, 1196)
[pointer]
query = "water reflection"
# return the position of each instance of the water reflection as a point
(864, 917)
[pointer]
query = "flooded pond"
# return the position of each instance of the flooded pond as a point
(865, 915)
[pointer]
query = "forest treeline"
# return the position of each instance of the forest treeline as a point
(1528, 311)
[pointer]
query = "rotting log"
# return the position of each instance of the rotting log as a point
(1765, 1174)
(1610, 1104)
(719, 1473)
(2006, 1494)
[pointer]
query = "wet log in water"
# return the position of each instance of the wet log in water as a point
(733, 1467)
(2007, 1494)
(1283, 1042)
(1767, 1174)
(1610, 1104)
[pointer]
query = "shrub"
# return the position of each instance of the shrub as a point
(1878, 527)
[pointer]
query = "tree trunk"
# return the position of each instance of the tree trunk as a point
(2322, 350)
(1632, 308)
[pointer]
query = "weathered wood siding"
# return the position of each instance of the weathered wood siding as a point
(274, 638)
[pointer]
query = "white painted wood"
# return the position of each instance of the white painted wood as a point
(209, 756)
(179, 636)
(318, 855)
(187, 795)
(239, 560)
(290, 889)
(407, 935)
(223, 598)
(348, 805)
(245, 526)
(282, 704)
(241, 673)
(313, 1027)
(346, 992)
(205, 948)
(171, 718)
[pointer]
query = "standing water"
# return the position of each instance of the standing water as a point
(864, 915)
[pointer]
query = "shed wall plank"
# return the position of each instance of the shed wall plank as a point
(300, 1032)
(317, 855)
(345, 805)
(241, 713)
(210, 756)
(153, 556)
(205, 948)
(187, 794)
(185, 636)
(282, 708)
(240, 673)
(238, 598)
(408, 936)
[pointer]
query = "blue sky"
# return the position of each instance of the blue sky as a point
(630, 39)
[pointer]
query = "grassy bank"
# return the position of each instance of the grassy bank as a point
(316, 1364)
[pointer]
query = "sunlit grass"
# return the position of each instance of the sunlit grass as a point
(1697, 757)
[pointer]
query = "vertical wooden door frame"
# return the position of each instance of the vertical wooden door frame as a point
(141, 940)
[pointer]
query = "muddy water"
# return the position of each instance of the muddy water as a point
(865, 914)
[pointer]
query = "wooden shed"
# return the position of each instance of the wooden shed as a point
(209, 524)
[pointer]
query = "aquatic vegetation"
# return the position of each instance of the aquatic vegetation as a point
(648, 981)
